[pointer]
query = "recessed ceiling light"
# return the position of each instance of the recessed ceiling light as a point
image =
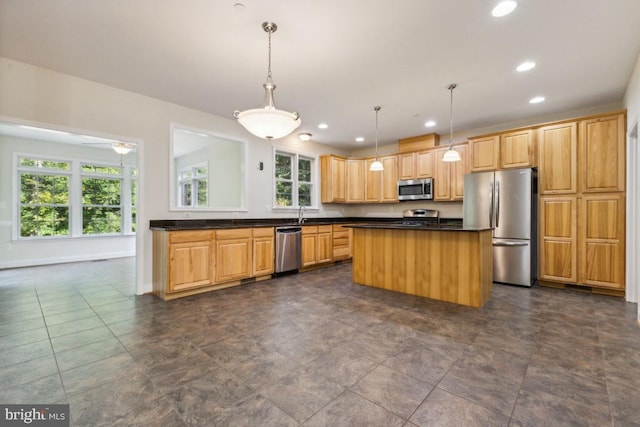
(323, 126)
(526, 66)
(430, 124)
(536, 100)
(504, 8)
(359, 139)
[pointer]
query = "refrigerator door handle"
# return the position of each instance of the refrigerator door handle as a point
(491, 204)
(511, 243)
(497, 203)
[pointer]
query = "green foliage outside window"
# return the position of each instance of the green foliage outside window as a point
(44, 205)
(45, 198)
(288, 180)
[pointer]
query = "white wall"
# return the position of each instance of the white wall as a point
(41, 96)
(632, 104)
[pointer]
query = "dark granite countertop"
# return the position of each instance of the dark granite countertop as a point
(205, 224)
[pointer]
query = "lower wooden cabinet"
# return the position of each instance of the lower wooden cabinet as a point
(601, 248)
(263, 251)
(342, 238)
(233, 254)
(558, 239)
(317, 244)
(190, 260)
(582, 240)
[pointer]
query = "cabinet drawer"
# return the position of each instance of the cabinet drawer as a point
(340, 241)
(263, 232)
(325, 228)
(233, 233)
(341, 252)
(190, 236)
(309, 229)
(339, 227)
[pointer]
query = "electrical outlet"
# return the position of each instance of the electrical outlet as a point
(187, 214)
(8, 246)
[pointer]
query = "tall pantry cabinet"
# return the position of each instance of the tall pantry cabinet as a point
(582, 202)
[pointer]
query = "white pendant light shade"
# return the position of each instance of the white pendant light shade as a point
(268, 122)
(377, 165)
(451, 155)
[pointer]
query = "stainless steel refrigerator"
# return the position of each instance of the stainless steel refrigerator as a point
(507, 202)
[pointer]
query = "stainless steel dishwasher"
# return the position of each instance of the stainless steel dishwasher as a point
(288, 249)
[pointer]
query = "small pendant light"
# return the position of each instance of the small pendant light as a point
(451, 155)
(377, 164)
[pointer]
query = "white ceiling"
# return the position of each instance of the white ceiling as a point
(334, 60)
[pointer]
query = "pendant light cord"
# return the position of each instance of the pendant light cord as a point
(451, 88)
(270, 30)
(376, 109)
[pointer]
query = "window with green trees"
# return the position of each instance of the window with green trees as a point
(44, 197)
(53, 192)
(193, 186)
(293, 180)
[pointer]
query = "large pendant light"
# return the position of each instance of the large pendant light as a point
(451, 155)
(377, 164)
(268, 122)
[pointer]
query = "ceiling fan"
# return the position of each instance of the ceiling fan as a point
(119, 147)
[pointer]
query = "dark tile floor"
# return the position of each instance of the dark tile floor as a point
(313, 349)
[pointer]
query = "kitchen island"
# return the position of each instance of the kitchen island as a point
(447, 264)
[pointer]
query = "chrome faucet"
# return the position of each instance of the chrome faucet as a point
(301, 215)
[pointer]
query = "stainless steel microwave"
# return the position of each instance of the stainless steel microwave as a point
(415, 189)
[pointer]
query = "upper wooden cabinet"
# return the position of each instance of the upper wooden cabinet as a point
(558, 159)
(586, 156)
(602, 154)
(502, 151)
(333, 179)
(416, 165)
(517, 149)
(484, 153)
(355, 180)
(382, 186)
(449, 176)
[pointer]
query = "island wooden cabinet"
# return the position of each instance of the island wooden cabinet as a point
(233, 254)
(416, 165)
(355, 180)
(333, 179)
(381, 186)
(191, 261)
(317, 244)
(263, 251)
(558, 159)
(449, 176)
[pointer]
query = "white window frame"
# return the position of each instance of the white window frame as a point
(75, 194)
(294, 174)
(193, 183)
